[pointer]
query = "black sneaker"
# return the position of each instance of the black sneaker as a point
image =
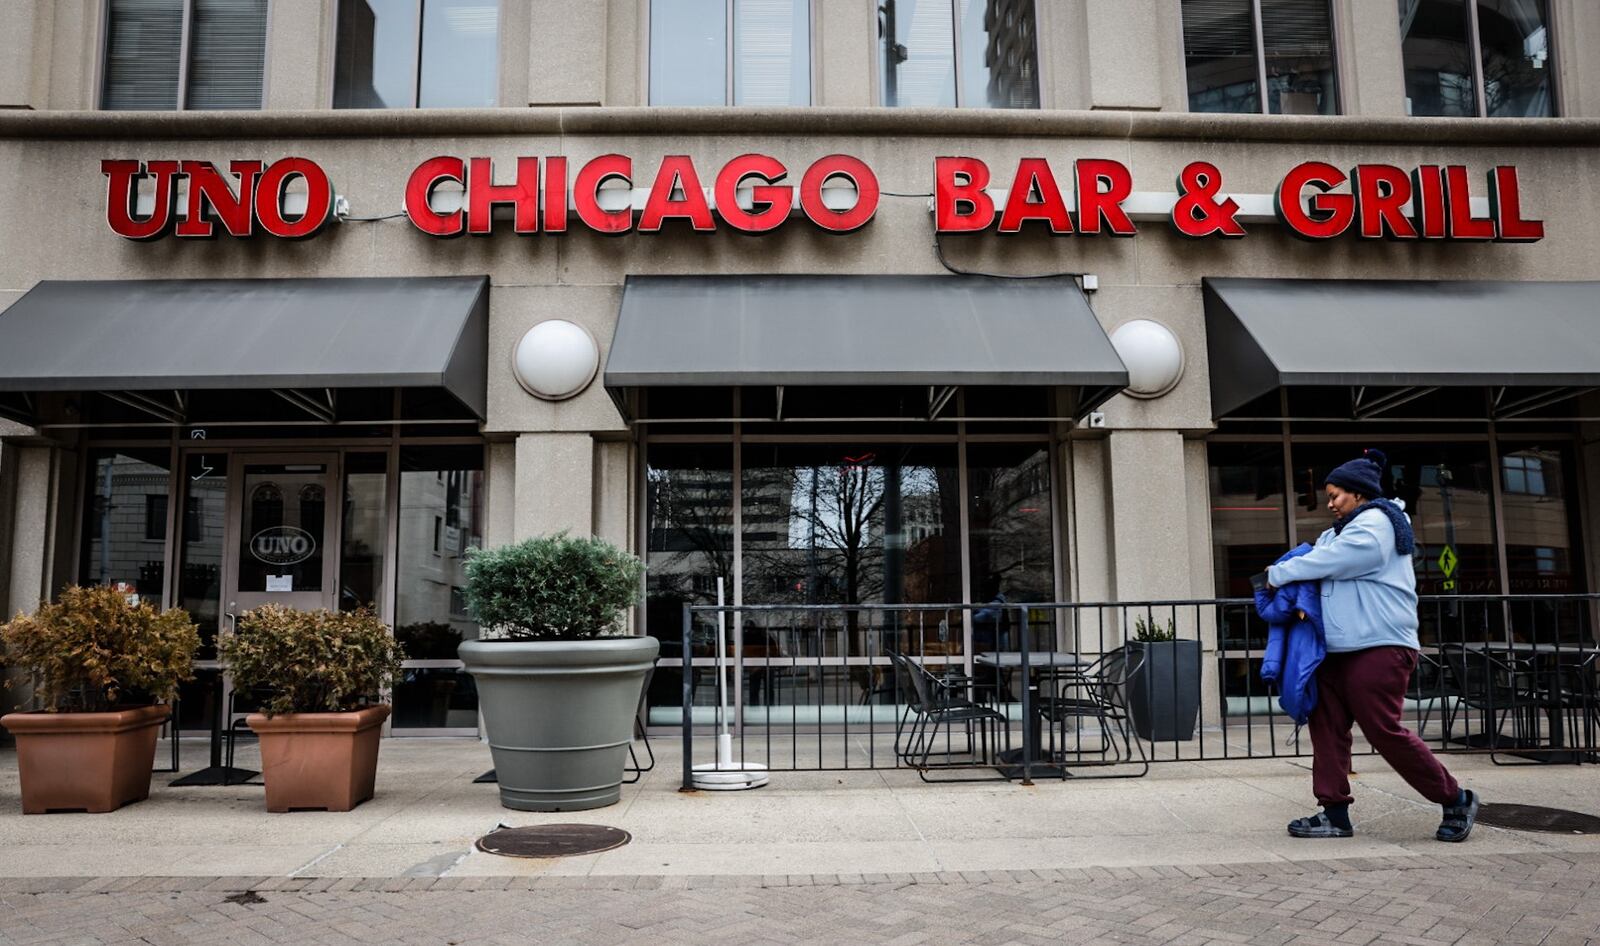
(1317, 826)
(1458, 819)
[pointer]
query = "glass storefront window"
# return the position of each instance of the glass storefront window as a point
(205, 483)
(417, 53)
(1442, 65)
(363, 533)
(441, 494)
(966, 53)
(770, 53)
(1247, 529)
(125, 521)
(1225, 64)
(281, 536)
(1540, 527)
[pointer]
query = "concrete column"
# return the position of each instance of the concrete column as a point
(1089, 541)
(31, 533)
(1127, 59)
(27, 51)
(845, 54)
(1371, 65)
(613, 480)
(555, 485)
(1149, 510)
(1575, 29)
(299, 55)
(566, 43)
(502, 476)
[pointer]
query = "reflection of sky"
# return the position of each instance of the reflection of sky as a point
(772, 46)
(927, 77)
(822, 527)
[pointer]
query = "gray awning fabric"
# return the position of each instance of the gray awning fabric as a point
(858, 330)
(1263, 334)
(240, 334)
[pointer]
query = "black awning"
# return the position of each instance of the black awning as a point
(299, 337)
(1264, 334)
(845, 331)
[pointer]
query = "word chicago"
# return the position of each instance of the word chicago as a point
(446, 196)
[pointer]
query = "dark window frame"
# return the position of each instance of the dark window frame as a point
(1263, 80)
(1473, 40)
(416, 55)
(886, 45)
(730, 53)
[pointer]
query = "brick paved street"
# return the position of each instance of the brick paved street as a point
(1549, 899)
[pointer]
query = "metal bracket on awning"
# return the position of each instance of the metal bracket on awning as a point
(938, 399)
(1362, 409)
(1533, 402)
(318, 405)
(173, 413)
(777, 414)
(21, 410)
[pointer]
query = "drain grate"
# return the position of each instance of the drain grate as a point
(1534, 818)
(553, 840)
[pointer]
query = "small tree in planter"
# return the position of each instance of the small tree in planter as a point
(558, 681)
(100, 669)
(1164, 688)
(320, 675)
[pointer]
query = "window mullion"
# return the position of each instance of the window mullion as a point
(416, 74)
(1261, 54)
(955, 50)
(183, 54)
(1475, 39)
(731, 29)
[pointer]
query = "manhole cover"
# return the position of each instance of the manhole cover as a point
(553, 840)
(1534, 818)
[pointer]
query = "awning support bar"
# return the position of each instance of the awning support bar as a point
(1535, 401)
(322, 410)
(778, 414)
(938, 398)
(1389, 401)
(148, 404)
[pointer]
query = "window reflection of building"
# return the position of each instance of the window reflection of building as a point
(124, 528)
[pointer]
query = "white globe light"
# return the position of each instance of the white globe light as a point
(1153, 354)
(555, 359)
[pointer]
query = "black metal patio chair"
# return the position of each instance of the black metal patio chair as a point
(1496, 686)
(1098, 694)
(936, 704)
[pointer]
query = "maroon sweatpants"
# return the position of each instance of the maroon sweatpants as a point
(1368, 688)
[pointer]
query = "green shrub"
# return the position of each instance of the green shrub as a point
(553, 588)
(311, 661)
(1151, 630)
(93, 651)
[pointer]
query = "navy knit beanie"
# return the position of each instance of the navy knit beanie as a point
(1363, 475)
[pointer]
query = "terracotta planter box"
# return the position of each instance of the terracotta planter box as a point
(323, 761)
(85, 761)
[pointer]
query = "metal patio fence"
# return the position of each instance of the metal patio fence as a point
(1066, 689)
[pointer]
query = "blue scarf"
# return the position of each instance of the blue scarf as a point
(1405, 541)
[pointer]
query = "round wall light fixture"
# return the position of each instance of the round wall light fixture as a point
(1153, 354)
(555, 359)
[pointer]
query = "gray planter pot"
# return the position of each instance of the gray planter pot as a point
(1164, 692)
(559, 716)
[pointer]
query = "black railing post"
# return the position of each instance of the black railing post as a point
(1030, 734)
(688, 701)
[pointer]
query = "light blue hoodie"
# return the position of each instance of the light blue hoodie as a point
(1369, 590)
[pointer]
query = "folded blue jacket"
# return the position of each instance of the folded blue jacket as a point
(1295, 641)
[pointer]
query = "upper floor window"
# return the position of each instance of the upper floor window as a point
(1233, 49)
(1486, 58)
(184, 54)
(730, 52)
(417, 54)
(958, 53)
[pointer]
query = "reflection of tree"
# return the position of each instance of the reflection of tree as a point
(691, 530)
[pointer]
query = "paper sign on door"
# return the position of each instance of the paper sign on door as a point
(280, 582)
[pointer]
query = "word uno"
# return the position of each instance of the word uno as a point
(213, 204)
(1432, 202)
(540, 200)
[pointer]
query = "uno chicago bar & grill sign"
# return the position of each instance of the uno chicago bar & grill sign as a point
(448, 196)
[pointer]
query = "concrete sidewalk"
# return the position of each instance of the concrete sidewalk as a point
(835, 825)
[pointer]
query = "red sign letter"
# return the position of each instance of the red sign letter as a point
(209, 193)
(770, 203)
(1458, 197)
(1383, 192)
(483, 194)
(856, 171)
(1507, 204)
(951, 195)
(122, 197)
(419, 187)
(555, 195)
(1095, 205)
(1328, 215)
(585, 193)
(1427, 196)
(274, 184)
(676, 171)
(1034, 174)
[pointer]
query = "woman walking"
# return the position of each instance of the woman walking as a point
(1369, 615)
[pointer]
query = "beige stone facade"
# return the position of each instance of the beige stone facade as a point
(1133, 496)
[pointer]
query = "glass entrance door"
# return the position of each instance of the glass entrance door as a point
(280, 548)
